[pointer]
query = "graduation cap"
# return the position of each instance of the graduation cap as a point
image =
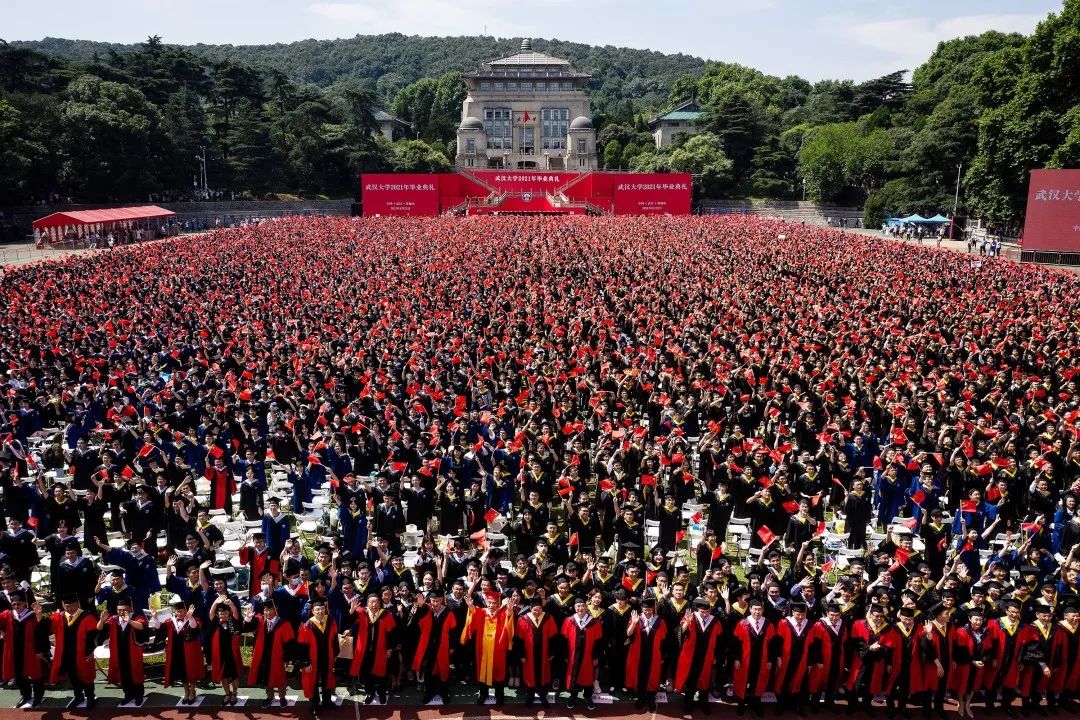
(875, 608)
(630, 545)
(797, 607)
(258, 535)
(906, 612)
(273, 499)
(701, 604)
(316, 602)
(1011, 603)
(69, 598)
(649, 602)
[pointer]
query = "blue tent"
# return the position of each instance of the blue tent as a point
(915, 219)
(939, 219)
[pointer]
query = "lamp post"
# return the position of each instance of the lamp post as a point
(956, 203)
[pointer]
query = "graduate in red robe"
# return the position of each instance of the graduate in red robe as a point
(933, 660)
(871, 647)
(1065, 660)
(973, 652)
(536, 629)
(647, 633)
(226, 663)
(319, 639)
(126, 633)
(583, 632)
(491, 630)
(905, 677)
(793, 637)
(24, 652)
(73, 658)
(258, 556)
(1036, 643)
(222, 484)
(183, 650)
(435, 627)
(1005, 632)
(375, 639)
(273, 640)
(827, 656)
(700, 633)
(753, 657)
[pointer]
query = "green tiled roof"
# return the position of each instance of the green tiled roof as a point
(681, 115)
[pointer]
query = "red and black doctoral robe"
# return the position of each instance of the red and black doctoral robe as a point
(321, 650)
(492, 634)
(222, 487)
(1006, 653)
(260, 562)
(644, 658)
(270, 652)
(794, 642)
(433, 643)
(906, 677)
(968, 647)
(867, 667)
(582, 636)
(21, 645)
(226, 662)
(1065, 659)
(827, 650)
(697, 654)
(1036, 642)
(76, 638)
(752, 649)
(933, 645)
(125, 651)
(183, 652)
(373, 640)
(536, 638)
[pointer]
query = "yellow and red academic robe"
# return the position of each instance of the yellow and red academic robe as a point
(752, 650)
(1006, 653)
(581, 638)
(131, 657)
(966, 677)
(433, 644)
(20, 646)
(536, 640)
(372, 637)
(81, 629)
(697, 654)
(492, 634)
(864, 661)
(322, 649)
(183, 646)
(930, 646)
(644, 658)
(794, 646)
(827, 648)
(1065, 659)
(271, 646)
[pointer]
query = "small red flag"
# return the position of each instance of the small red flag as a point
(398, 466)
(901, 556)
(127, 472)
(827, 566)
(649, 480)
(820, 529)
(696, 518)
(766, 535)
(270, 454)
(679, 535)
(574, 540)
(490, 515)
(718, 552)
(918, 496)
(791, 506)
(969, 506)
(216, 452)
(479, 535)
(606, 485)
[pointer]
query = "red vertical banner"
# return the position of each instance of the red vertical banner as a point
(405, 194)
(1052, 222)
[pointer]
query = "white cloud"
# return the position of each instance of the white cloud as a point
(909, 42)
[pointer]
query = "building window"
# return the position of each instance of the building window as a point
(554, 124)
(498, 87)
(541, 86)
(497, 125)
(582, 147)
(528, 141)
(566, 85)
(470, 145)
(526, 87)
(511, 86)
(485, 86)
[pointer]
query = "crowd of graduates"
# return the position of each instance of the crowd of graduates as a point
(723, 457)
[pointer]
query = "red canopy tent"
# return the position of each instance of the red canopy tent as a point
(58, 224)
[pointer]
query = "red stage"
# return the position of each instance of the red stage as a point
(1053, 213)
(483, 192)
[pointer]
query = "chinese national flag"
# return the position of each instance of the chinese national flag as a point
(127, 472)
(525, 117)
(649, 480)
(969, 506)
(826, 566)
(679, 535)
(718, 552)
(918, 496)
(398, 466)
(791, 506)
(490, 515)
(479, 535)
(901, 556)
(270, 454)
(696, 518)
(820, 529)
(574, 540)
(766, 535)
(606, 485)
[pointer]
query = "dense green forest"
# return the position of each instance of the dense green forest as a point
(95, 121)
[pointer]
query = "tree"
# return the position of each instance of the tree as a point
(417, 156)
(841, 163)
(703, 155)
(17, 154)
(612, 154)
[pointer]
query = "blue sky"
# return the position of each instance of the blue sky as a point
(817, 39)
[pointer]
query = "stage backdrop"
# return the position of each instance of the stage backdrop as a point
(400, 194)
(1053, 212)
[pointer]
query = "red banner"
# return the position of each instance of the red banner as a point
(400, 194)
(652, 194)
(1053, 212)
(519, 181)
